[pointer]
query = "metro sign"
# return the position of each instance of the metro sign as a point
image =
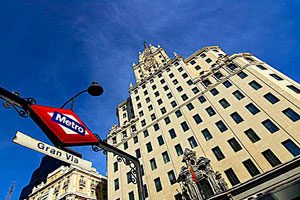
(62, 126)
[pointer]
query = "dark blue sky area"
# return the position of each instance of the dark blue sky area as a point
(50, 50)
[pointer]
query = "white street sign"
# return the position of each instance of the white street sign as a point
(49, 150)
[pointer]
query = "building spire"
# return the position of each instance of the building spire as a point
(145, 45)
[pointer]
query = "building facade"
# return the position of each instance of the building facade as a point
(238, 114)
(71, 183)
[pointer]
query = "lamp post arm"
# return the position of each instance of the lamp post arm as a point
(72, 99)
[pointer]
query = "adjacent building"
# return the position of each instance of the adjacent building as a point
(208, 126)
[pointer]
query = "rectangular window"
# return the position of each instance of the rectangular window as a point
(242, 75)
(169, 95)
(167, 120)
(218, 153)
(124, 133)
(178, 113)
(153, 164)
(153, 117)
(238, 95)
(206, 82)
(157, 184)
(143, 122)
(271, 98)
(202, 99)
(146, 133)
(195, 90)
(184, 75)
(172, 133)
(166, 157)
(190, 106)
(171, 75)
(147, 100)
(115, 166)
(253, 137)
(137, 98)
(117, 186)
(206, 134)
(236, 117)
(156, 94)
(202, 55)
(131, 195)
(142, 170)
(173, 104)
(197, 67)
(197, 119)
(139, 105)
(180, 69)
(210, 111)
(160, 140)
(179, 89)
(192, 142)
(224, 103)
(129, 177)
(172, 177)
(222, 127)
(249, 165)
(214, 92)
(232, 67)
(156, 127)
(149, 147)
(163, 110)
(114, 140)
(141, 113)
(162, 81)
(135, 139)
(275, 76)
(125, 145)
(175, 81)
(261, 67)
(227, 84)
(184, 126)
(252, 108)
(178, 149)
(233, 179)
(296, 90)
(271, 158)
(189, 82)
(218, 75)
(150, 108)
(145, 191)
(268, 124)
(234, 144)
(184, 97)
(154, 87)
(291, 147)
(159, 101)
(138, 153)
(255, 85)
(166, 88)
(208, 60)
(291, 114)
(193, 62)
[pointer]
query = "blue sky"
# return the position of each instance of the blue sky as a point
(50, 50)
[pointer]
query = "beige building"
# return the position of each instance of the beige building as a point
(238, 114)
(71, 183)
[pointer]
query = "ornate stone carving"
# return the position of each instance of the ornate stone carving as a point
(204, 183)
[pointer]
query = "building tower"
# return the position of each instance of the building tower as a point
(229, 122)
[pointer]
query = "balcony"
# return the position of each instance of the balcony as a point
(81, 183)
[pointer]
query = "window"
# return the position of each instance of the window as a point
(159, 75)
(147, 100)
(192, 142)
(261, 67)
(153, 117)
(224, 103)
(193, 62)
(159, 101)
(139, 105)
(179, 89)
(271, 158)
(171, 75)
(206, 134)
(172, 133)
(150, 108)
(131, 195)
(135, 92)
(153, 164)
(202, 99)
(197, 119)
(178, 150)
(168, 69)
(180, 69)
(184, 97)
(190, 106)
(210, 111)
(143, 122)
(144, 86)
(208, 60)
(184, 126)
(169, 95)
(149, 147)
(124, 115)
(167, 120)
(156, 94)
(163, 110)
(233, 179)
(178, 113)
(135, 139)
(145, 191)
(253, 171)
(255, 85)
(253, 137)
(249, 59)
(157, 184)
(124, 133)
(189, 82)
(218, 75)
(234, 144)
(176, 63)
(252, 108)
(238, 95)
(291, 147)
(236, 117)
(166, 87)
(291, 114)
(166, 157)
(162, 81)
(232, 67)
(184, 75)
(160, 140)
(218, 153)
(296, 90)
(172, 177)
(271, 98)
(146, 133)
(125, 145)
(206, 82)
(117, 186)
(270, 126)
(115, 166)
(141, 113)
(156, 127)
(173, 104)
(197, 67)
(227, 84)
(129, 177)
(137, 98)
(114, 140)
(220, 124)
(142, 170)
(202, 55)
(195, 90)
(175, 81)
(214, 92)
(242, 75)
(278, 78)
(138, 153)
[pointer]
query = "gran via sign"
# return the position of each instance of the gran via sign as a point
(49, 150)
